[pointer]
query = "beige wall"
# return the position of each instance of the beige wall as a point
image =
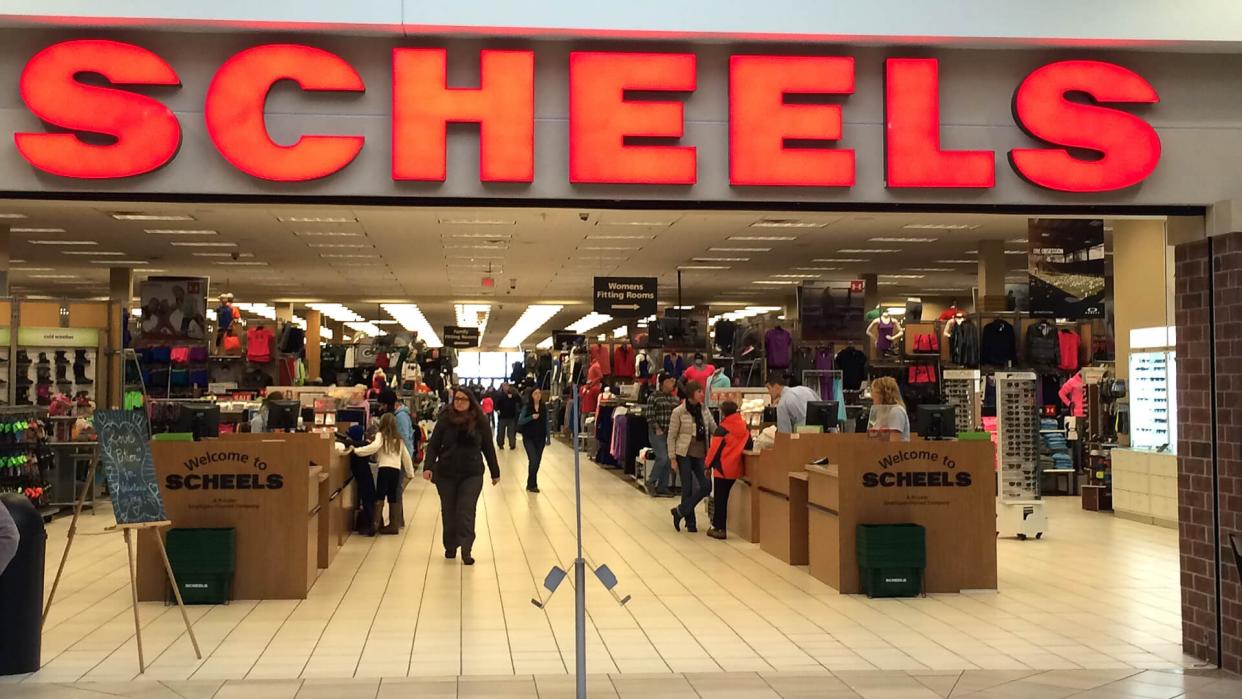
(1142, 282)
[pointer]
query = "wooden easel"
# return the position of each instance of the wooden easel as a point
(126, 529)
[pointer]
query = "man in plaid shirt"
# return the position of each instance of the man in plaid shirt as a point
(659, 410)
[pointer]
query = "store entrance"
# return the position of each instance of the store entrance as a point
(1048, 336)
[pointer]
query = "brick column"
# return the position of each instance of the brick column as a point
(1209, 319)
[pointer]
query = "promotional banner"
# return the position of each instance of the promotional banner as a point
(1066, 264)
(831, 311)
(174, 311)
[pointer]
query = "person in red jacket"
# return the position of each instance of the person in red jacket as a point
(724, 458)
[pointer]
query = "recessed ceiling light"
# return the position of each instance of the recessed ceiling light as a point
(476, 221)
(13, 215)
(643, 224)
(1017, 241)
(348, 256)
(118, 262)
(317, 219)
(32, 269)
(902, 240)
(932, 269)
(92, 253)
(599, 236)
(62, 242)
(339, 245)
(901, 276)
(764, 238)
(603, 258)
(720, 259)
(328, 234)
(199, 244)
(181, 231)
(53, 276)
(607, 248)
(945, 288)
(152, 217)
(957, 262)
(772, 282)
(841, 260)
(739, 249)
(234, 263)
(222, 254)
(786, 223)
(795, 276)
(817, 269)
(940, 227)
(690, 268)
(36, 230)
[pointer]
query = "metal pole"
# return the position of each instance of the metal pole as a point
(579, 562)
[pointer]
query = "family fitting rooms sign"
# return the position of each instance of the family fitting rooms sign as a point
(115, 128)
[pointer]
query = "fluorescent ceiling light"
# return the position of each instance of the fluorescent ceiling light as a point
(795, 276)
(260, 309)
(92, 253)
(473, 315)
(692, 268)
(599, 236)
(1017, 241)
(234, 263)
(181, 231)
(739, 249)
(339, 245)
(222, 254)
(902, 240)
(490, 235)
(816, 269)
(957, 262)
(36, 230)
(53, 276)
(365, 328)
(940, 227)
(614, 247)
(644, 224)
(545, 344)
(868, 251)
(335, 311)
(348, 256)
(588, 322)
(901, 276)
(1015, 252)
(721, 259)
(620, 331)
(764, 238)
(317, 219)
(534, 317)
(411, 318)
(32, 269)
(325, 333)
(841, 260)
(772, 282)
(152, 217)
(199, 244)
(62, 242)
(13, 215)
(328, 234)
(786, 223)
(932, 269)
(476, 221)
(945, 289)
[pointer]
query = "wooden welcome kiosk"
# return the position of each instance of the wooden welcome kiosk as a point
(283, 493)
(810, 513)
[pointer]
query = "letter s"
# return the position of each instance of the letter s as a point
(962, 478)
(871, 480)
(146, 133)
(172, 481)
(275, 481)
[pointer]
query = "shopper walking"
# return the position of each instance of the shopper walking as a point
(724, 459)
(533, 424)
(459, 444)
(689, 428)
(393, 459)
(660, 407)
(405, 428)
(507, 406)
(888, 410)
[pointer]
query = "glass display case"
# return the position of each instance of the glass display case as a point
(1153, 389)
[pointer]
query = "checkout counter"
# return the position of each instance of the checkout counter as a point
(285, 494)
(809, 513)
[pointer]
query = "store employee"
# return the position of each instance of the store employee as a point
(790, 403)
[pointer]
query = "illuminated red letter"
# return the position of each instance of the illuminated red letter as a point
(912, 132)
(236, 100)
(601, 118)
(503, 106)
(760, 122)
(147, 133)
(1128, 148)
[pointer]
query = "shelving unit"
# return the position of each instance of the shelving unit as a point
(24, 456)
(1153, 402)
(962, 390)
(1020, 512)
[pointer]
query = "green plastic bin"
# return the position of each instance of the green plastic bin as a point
(891, 559)
(203, 563)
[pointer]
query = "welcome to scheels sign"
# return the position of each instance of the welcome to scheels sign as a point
(1076, 108)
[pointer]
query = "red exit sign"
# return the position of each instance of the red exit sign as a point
(1087, 145)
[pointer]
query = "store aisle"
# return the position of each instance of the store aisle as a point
(1098, 593)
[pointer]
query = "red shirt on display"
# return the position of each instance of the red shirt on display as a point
(623, 362)
(700, 376)
(259, 343)
(1070, 343)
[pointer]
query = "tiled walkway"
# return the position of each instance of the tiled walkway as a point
(1096, 593)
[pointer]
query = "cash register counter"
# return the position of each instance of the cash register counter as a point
(285, 494)
(808, 514)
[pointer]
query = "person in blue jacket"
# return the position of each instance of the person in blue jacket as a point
(405, 427)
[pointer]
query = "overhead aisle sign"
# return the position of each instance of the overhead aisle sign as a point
(460, 338)
(625, 297)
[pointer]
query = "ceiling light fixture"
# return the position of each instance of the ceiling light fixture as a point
(348, 256)
(868, 251)
(328, 234)
(546, 343)
(932, 269)
(222, 254)
(841, 260)
(642, 224)
(92, 253)
(901, 240)
(36, 230)
(786, 223)
(476, 221)
(335, 311)
(764, 238)
(199, 244)
(773, 282)
(696, 268)
(721, 259)
(152, 217)
(62, 242)
(901, 276)
(339, 245)
(411, 317)
(614, 247)
(795, 276)
(534, 317)
(365, 328)
(940, 227)
(317, 219)
(598, 236)
(739, 249)
(816, 269)
(181, 231)
(957, 262)
(234, 263)
(13, 215)
(588, 322)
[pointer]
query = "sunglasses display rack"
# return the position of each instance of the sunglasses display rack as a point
(1020, 512)
(962, 391)
(1153, 410)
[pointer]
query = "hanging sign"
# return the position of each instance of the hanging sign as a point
(460, 338)
(626, 297)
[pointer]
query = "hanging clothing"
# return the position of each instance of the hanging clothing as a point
(674, 365)
(1042, 344)
(777, 343)
(642, 365)
(725, 330)
(964, 343)
(803, 360)
(1070, 344)
(998, 343)
(1073, 394)
(601, 355)
(623, 362)
(853, 365)
(260, 341)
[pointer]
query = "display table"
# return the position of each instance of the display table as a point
(268, 487)
(947, 487)
(1145, 486)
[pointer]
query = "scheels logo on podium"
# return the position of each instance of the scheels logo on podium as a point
(947, 476)
(1076, 110)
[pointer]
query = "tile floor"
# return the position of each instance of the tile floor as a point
(1097, 594)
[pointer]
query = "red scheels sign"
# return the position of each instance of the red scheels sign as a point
(1090, 143)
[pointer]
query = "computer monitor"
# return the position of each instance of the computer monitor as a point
(200, 419)
(823, 413)
(936, 422)
(283, 414)
(354, 416)
(769, 414)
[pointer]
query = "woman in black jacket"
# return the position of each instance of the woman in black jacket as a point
(533, 426)
(460, 442)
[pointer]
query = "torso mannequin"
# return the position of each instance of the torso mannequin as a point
(885, 331)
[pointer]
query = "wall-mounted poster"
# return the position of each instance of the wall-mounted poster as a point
(831, 311)
(174, 311)
(1066, 264)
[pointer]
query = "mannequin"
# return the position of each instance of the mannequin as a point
(884, 332)
(952, 321)
(699, 371)
(950, 312)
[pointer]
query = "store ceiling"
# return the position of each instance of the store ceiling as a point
(435, 257)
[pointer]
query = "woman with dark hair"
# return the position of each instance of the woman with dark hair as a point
(460, 442)
(533, 426)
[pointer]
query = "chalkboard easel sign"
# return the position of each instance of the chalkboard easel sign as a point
(125, 452)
